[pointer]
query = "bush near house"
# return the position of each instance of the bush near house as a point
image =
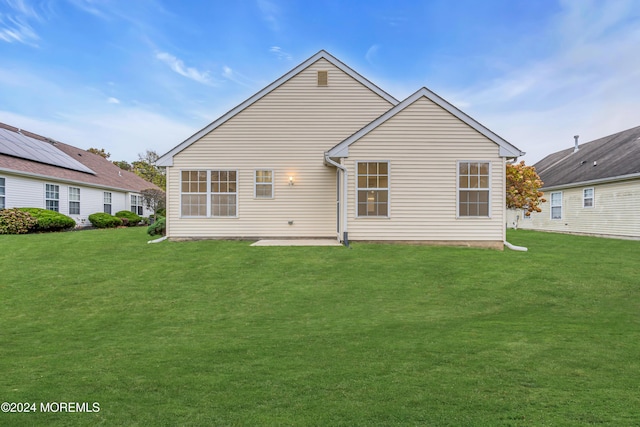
(158, 228)
(15, 221)
(48, 220)
(104, 220)
(132, 218)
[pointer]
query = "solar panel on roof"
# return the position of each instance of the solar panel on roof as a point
(18, 145)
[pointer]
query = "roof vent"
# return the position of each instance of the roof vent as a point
(323, 78)
(575, 148)
(595, 163)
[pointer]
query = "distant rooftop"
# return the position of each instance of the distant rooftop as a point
(609, 157)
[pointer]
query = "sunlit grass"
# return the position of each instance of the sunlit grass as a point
(221, 333)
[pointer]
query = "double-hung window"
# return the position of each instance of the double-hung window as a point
(136, 204)
(473, 189)
(194, 193)
(74, 201)
(373, 189)
(556, 205)
(52, 197)
(209, 193)
(3, 203)
(223, 193)
(264, 184)
(107, 202)
(587, 198)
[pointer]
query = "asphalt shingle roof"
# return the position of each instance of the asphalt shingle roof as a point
(106, 175)
(609, 157)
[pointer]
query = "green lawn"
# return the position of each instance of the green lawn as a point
(220, 333)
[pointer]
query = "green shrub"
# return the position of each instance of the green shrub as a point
(158, 228)
(15, 221)
(132, 218)
(161, 212)
(50, 220)
(104, 220)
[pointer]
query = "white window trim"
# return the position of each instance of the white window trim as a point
(104, 202)
(388, 188)
(551, 206)
(209, 193)
(74, 201)
(255, 185)
(3, 196)
(489, 206)
(46, 199)
(593, 198)
(139, 200)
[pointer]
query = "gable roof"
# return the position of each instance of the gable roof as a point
(167, 158)
(506, 149)
(610, 158)
(103, 173)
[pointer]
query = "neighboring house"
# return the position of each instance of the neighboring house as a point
(42, 173)
(323, 152)
(592, 188)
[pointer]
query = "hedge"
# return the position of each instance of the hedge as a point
(49, 220)
(158, 228)
(104, 220)
(132, 218)
(15, 221)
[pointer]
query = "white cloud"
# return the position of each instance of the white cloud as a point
(178, 66)
(112, 100)
(371, 53)
(236, 77)
(270, 13)
(15, 25)
(588, 86)
(280, 54)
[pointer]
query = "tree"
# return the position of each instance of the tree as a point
(99, 152)
(124, 165)
(153, 198)
(146, 169)
(523, 188)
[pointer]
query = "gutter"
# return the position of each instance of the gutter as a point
(345, 190)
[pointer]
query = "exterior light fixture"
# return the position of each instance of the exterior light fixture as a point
(291, 182)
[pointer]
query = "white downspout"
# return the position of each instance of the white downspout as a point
(345, 189)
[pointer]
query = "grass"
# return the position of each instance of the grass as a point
(220, 333)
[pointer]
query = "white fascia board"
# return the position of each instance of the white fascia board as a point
(506, 149)
(167, 159)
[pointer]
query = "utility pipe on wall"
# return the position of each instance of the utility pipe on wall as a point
(345, 190)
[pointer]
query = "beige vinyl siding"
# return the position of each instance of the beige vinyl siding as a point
(616, 211)
(423, 144)
(287, 131)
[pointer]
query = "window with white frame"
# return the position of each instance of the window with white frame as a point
(74, 201)
(194, 193)
(373, 189)
(263, 184)
(556, 205)
(52, 197)
(3, 202)
(473, 189)
(587, 198)
(136, 204)
(106, 200)
(209, 193)
(223, 193)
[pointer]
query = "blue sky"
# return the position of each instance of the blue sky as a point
(146, 74)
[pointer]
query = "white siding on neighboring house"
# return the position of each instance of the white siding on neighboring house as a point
(287, 131)
(615, 211)
(423, 145)
(24, 192)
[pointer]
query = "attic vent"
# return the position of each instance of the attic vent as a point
(323, 78)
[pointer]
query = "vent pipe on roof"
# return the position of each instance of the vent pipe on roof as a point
(576, 148)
